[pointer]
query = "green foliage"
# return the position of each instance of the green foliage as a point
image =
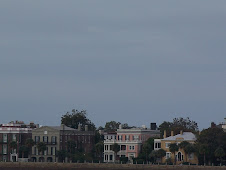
(208, 142)
(124, 160)
(112, 126)
(75, 118)
(161, 153)
(99, 148)
(61, 154)
(41, 147)
(13, 145)
(219, 153)
(174, 148)
(178, 124)
(71, 146)
(116, 148)
(147, 148)
(23, 151)
(29, 143)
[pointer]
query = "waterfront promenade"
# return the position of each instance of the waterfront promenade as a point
(96, 166)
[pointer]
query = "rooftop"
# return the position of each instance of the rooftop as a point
(188, 136)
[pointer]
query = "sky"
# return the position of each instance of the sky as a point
(131, 61)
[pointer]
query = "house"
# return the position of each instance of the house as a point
(56, 138)
(129, 140)
(16, 132)
(180, 155)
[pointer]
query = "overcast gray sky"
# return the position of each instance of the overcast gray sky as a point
(131, 61)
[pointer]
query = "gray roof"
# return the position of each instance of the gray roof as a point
(61, 128)
(187, 136)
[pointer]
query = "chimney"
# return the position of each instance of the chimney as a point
(181, 132)
(172, 133)
(86, 127)
(79, 127)
(120, 126)
(164, 136)
(153, 126)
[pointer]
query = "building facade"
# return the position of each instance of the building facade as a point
(180, 155)
(14, 132)
(56, 139)
(129, 140)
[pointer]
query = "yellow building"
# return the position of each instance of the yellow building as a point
(180, 155)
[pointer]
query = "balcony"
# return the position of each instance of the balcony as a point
(47, 143)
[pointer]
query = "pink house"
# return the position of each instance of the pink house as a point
(130, 141)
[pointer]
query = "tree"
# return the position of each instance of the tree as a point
(112, 126)
(13, 145)
(161, 153)
(219, 153)
(77, 118)
(116, 149)
(61, 154)
(183, 145)
(153, 155)
(188, 149)
(207, 143)
(174, 148)
(41, 147)
(23, 149)
(203, 149)
(99, 148)
(29, 143)
(177, 125)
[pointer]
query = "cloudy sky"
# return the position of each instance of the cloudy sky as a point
(131, 61)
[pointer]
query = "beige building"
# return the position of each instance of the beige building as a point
(180, 155)
(56, 137)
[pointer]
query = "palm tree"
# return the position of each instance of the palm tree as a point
(189, 149)
(161, 153)
(116, 149)
(174, 148)
(13, 145)
(153, 155)
(183, 145)
(99, 149)
(41, 147)
(23, 149)
(219, 153)
(29, 143)
(203, 149)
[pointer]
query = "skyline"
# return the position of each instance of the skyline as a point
(136, 62)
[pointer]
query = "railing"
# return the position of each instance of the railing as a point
(47, 143)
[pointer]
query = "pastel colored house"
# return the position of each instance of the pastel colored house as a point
(129, 140)
(180, 155)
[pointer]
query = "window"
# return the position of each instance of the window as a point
(132, 147)
(53, 150)
(46, 151)
(45, 139)
(180, 156)
(37, 139)
(53, 139)
(4, 149)
(4, 138)
(45, 132)
(14, 137)
(167, 144)
(168, 155)
(61, 138)
(157, 145)
(111, 157)
(127, 137)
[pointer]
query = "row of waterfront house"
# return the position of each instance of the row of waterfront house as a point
(54, 137)
(130, 142)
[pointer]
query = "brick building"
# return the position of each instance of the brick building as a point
(16, 132)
